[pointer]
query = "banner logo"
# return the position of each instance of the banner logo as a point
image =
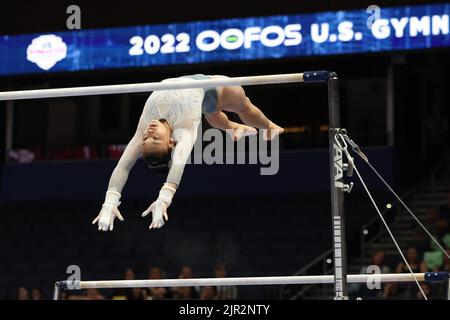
(46, 51)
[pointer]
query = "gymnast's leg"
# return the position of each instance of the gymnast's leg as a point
(220, 120)
(252, 116)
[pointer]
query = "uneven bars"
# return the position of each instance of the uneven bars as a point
(239, 281)
(308, 76)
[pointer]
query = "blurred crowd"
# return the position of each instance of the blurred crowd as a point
(422, 255)
(176, 293)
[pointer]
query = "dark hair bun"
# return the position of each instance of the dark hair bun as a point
(158, 165)
(160, 169)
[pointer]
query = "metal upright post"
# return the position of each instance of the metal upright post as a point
(448, 289)
(337, 191)
(338, 187)
(57, 291)
(9, 126)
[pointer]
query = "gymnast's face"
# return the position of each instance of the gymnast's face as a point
(157, 139)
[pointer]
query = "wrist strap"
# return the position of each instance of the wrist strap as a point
(166, 193)
(112, 197)
(165, 186)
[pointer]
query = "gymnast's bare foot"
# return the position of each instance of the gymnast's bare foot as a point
(272, 131)
(242, 130)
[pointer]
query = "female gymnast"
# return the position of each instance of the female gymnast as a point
(166, 134)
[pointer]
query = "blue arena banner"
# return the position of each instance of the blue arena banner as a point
(271, 37)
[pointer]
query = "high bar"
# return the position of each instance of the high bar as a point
(309, 76)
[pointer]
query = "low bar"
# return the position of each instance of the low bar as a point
(150, 86)
(248, 281)
(241, 281)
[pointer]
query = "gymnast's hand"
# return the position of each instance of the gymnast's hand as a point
(109, 211)
(159, 213)
(159, 207)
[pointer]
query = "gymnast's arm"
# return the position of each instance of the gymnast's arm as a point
(185, 138)
(117, 181)
(128, 159)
